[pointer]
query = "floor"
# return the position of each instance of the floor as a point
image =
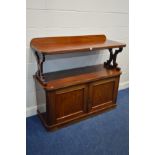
(105, 134)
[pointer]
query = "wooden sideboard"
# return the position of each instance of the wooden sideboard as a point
(75, 94)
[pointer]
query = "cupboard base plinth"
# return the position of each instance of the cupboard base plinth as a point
(57, 126)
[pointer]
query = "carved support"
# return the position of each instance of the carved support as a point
(40, 60)
(111, 63)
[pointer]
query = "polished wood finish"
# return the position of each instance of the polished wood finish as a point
(61, 79)
(67, 44)
(71, 102)
(101, 93)
(56, 126)
(75, 94)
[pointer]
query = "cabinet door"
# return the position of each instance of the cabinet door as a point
(70, 102)
(102, 93)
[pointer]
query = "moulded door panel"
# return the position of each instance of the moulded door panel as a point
(70, 102)
(102, 93)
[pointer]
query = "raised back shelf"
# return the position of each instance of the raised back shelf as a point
(67, 44)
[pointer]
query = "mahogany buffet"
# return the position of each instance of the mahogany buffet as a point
(75, 94)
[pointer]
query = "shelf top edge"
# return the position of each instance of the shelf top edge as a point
(67, 44)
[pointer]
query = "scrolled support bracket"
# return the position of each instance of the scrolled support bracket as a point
(40, 60)
(111, 63)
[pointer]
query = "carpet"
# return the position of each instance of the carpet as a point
(104, 134)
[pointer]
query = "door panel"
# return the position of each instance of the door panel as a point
(102, 93)
(70, 102)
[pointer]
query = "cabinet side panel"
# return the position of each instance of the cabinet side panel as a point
(50, 107)
(41, 98)
(116, 89)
